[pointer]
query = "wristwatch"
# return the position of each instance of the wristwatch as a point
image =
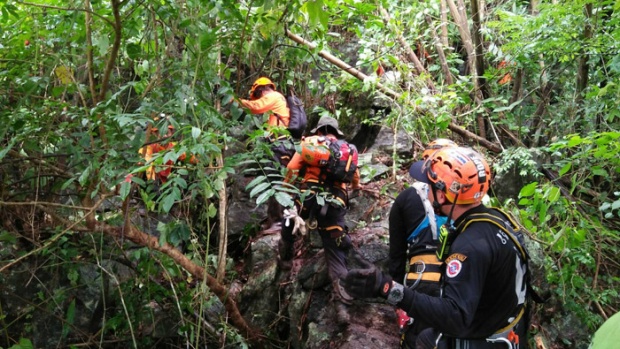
(396, 293)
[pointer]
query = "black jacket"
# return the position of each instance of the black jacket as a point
(406, 214)
(484, 284)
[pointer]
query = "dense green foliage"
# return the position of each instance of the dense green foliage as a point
(81, 82)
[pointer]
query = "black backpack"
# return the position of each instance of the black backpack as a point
(298, 121)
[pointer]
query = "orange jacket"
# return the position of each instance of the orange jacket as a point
(273, 102)
(163, 174)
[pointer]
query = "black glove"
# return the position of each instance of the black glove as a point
(367, 283)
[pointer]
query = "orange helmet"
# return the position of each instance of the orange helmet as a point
(461, 173)
(435, 145)
(262, 81)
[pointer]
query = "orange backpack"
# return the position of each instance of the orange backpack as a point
(338, 158)
(315, 151)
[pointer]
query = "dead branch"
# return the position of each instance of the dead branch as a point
(143, 239)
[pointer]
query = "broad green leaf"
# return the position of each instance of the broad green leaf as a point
(575, 141)
(24, 343)
(168, 201)
(84, 176)
(262, 198)
(607, 336)
(133, 51)
(196, 132)
(102, 42)
(528, 190)
(212, 210)
(284, 199)
(553, 194)
(6, 149)
(69, 319)
(260, 188)
(125, 189)
(67, 183)
(565, 169)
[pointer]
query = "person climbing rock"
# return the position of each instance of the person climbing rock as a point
(265, 99)
(309, 171)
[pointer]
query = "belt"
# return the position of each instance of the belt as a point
(479, 344)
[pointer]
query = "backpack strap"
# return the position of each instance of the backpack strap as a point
(506, 223)
(279, 119)
(421, 190)
(514, 230)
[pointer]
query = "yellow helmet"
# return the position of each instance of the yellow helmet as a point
(263, 81)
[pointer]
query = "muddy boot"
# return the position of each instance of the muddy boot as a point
(285, 255)
(342, 313)
(340, 294)
(341, 300)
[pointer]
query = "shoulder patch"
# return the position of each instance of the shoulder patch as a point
(453, 268)
(456, 256)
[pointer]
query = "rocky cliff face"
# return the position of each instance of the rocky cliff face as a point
(296, 304)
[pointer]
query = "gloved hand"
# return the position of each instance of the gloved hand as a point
(367, 283)
(291, 216)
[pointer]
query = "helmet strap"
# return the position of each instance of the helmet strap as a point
(436, 204)
(452, 208)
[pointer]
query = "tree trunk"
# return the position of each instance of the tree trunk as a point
(444, 23)
(445, 68)
(517, 85)
(223, 227)
(223, 222)
(583, 70)
(461, 23)
(411, 56)
(479, 64)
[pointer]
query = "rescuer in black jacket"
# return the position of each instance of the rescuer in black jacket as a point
(484, 282)
(413, 239)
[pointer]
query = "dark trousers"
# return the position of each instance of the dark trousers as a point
(331, 228)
